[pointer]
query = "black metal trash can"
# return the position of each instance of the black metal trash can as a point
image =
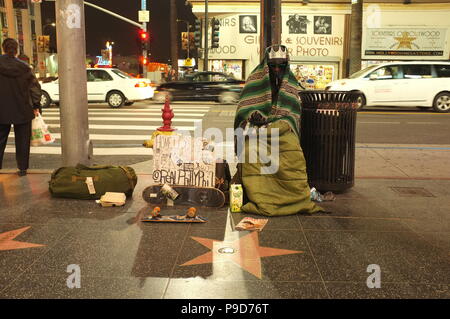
(328, 126)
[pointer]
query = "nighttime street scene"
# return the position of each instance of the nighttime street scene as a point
(225, 158)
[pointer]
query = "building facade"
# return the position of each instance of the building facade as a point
(24, 25)
(317, 34)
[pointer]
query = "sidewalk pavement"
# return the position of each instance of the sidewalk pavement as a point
(396, 216)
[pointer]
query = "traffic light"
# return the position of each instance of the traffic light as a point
(144, 37)
(198, 33)
(20, 4)
(144, 60)
(215, 33)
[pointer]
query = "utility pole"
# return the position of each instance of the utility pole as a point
(276, 22)
(144, 28)
(205, 61)
(174, 35)
(75, 143)
(355, 37)
(270, 13)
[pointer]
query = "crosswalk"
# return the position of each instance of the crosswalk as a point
(119, 131)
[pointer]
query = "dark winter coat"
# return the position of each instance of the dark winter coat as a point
(20, 91)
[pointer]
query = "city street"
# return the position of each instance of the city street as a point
(118, 134)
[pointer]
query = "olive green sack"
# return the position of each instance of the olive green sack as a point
(70, 182)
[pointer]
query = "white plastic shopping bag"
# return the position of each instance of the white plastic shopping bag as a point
(40, 135)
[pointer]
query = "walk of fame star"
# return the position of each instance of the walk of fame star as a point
(247, 253)
(404, 41)
(7, 241)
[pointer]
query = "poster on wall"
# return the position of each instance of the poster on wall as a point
(314, 76)
(248, 24)
(322, 25)
(405, 43)
(298, 24)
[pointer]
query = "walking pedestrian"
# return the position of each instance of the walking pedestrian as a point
(172, 76)
(21, 95)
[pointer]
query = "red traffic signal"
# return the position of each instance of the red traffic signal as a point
(143, 35)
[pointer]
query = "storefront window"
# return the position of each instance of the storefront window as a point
(19, 30)
(232, 68)
(31, 6)
(314, 76)
(3, 20)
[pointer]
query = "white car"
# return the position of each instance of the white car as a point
(421, 84)
(113, 86)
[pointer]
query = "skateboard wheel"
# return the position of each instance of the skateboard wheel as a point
(191, 212)
(155, 212)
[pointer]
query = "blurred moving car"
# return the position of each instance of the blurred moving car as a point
(422, 84)
(113, 86)
(205, 86)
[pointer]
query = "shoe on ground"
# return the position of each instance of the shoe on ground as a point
(22, 172)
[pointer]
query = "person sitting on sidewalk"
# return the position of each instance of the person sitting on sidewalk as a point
(21, 96)
(270, 99)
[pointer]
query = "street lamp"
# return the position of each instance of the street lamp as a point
(188, 38)
(53, 24)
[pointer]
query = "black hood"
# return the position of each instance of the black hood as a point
(12, 67)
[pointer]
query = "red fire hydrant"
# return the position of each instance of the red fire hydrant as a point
(167, 117)
(166, 129)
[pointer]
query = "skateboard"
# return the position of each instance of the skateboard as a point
(174, 219)
(189, 196)
(190, 217)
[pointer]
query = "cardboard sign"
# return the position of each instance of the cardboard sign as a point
(184, 161)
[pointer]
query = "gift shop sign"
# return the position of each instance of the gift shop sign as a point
(314, 35)
(405, 43)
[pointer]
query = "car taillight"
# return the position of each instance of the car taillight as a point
(141, 85)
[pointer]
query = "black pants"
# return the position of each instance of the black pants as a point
(22, 134)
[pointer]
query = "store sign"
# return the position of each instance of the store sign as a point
(144, 16)
(183, 160)
(311, 35)
(405, 43)
(186, 62)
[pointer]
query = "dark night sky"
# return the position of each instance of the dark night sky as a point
(101, 27)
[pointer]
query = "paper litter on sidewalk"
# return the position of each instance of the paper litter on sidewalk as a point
(112, 199)
(249, 223)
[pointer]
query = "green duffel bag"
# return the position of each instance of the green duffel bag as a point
(91, 182)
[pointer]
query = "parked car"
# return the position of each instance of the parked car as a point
(421, 84)
(113, 86)
(206, 86)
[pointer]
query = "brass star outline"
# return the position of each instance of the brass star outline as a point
(404, 41)
(7, 241)
(248, 256)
